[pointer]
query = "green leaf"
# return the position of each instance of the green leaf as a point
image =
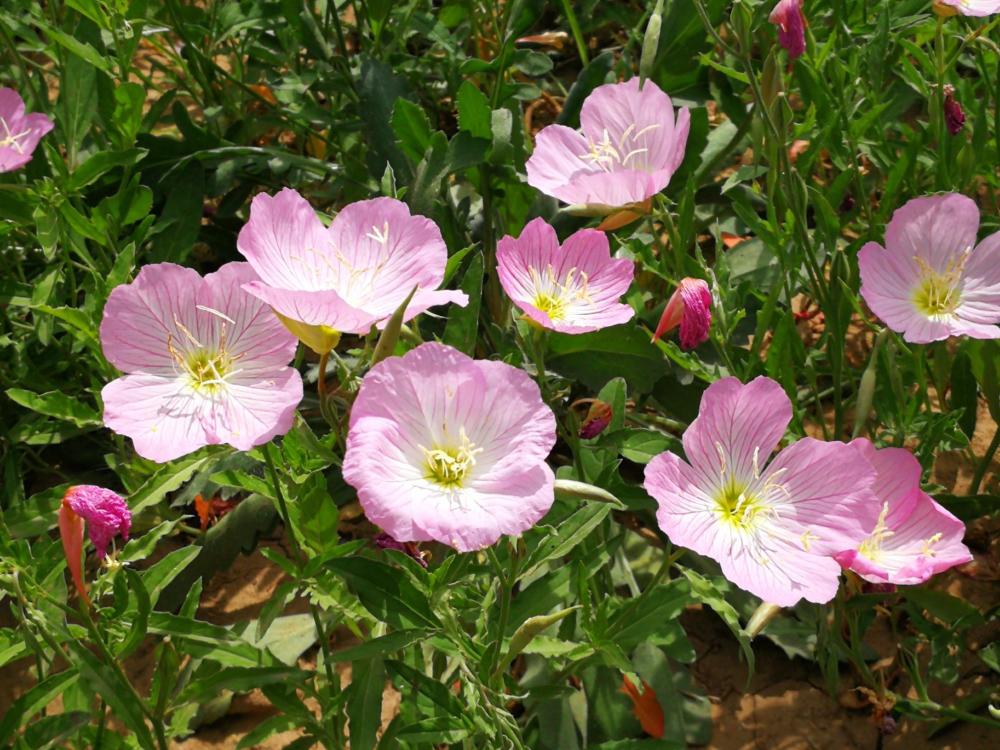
(240, 680)
(569, 533)
(104, 682)
(156, 577)
(385, 592)
(34, 700)
(382, 645)
(706, 592)
(653, 617)
(168, 479)
(208, 641)
(473, 110)
(463, 322)
(589, 79)
(101, 163)
(140, 620)
(413, 129)
(964, 393)
(595, 358)
(944, 606)
(56, 404)
(364, 703)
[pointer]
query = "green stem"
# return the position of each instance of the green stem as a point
(977, 480)
(574, 26)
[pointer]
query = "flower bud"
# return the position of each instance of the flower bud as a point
(598, 417)
(787, 16)
(954, 116)
(690, 307)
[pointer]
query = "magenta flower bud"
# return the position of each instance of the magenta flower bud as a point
(105, 512)
(690, 307)
(787, 16)
(954, 116)
(597, 419)
(387, 541)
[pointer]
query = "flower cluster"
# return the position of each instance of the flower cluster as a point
(782, 528)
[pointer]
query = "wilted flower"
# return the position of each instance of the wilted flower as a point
(931, 280)
(787, 16)
(443, 447)
(645, 706)
(914, 537)
(954, 117)
(690, 307)
(345, 278)
(106, 515)
(386, 541)
(628, 148)
(19, 132)
(573, 288)
(206, 362)
(771, 526)
(966, 7)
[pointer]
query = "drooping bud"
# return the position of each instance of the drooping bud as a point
(106, 515)
(690, 307)
(787, 16)
(645, 706)
(954, 116)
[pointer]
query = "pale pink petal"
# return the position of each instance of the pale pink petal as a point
(432, 397)
(286, 243)
(324, 308)
(737, 429)
(581, 274)
(981, 283)
(610, 189)
(821, 493)
(23, 131)
(144, 320)
(556, 157)
(639, 123)
(977, 8)
(936, 228)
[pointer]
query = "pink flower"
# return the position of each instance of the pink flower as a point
(443, 447)
(931, 280)
(966, 7)
(573, 288)
(349, 276)
(771, 526)
(628, 148)
(206, 362)
(690, 307)
(787, 16)
(913, 538)
(19, 132)
(106, 513)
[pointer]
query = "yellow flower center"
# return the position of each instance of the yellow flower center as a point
(939, 294)
(554, 296)
(450, 465)
(738, 507)
(607, 155)
(204, 367)
(872, 546)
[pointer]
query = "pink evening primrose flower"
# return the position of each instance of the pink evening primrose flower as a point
(19, 132)
(349, 276)
(205, 362)
(443, 447)
(787, 16)
(967, 7)
(772, 526)
(628, 148)
(106, 513)
(914, 537)
(573, 288)
(690, 307)
(931, 280)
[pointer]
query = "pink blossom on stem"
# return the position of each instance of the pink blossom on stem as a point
(626, 151)
(787, 16)
(914, 537)
(572, 288)
(443, 447)
(106, 515)
(690, 307)
(771, 525)
(19, 132)
(931, 280)
(205, 362)
(349, 276)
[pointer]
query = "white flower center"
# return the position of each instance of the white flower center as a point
(607, 155)
(10, 139)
